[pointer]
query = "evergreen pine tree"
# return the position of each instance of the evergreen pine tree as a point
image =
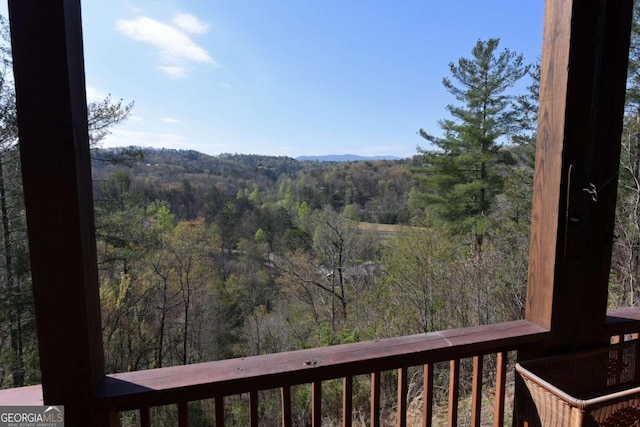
(464, 169)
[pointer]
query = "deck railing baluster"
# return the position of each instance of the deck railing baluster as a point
(286, 406)
(316, 404)
(347, 401)
(375, 399)
(476, 391)
(143, 390)
(454, 384)
(183, 414)
(403, 388)
(219, 411)
(501, 379)
(253, 407)
(145, 417)
(427, 395)
(217, 380)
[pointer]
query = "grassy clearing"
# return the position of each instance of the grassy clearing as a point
(386, 230)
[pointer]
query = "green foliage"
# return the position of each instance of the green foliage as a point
(161, 214)
(303, 214)
(261, 236)
(465, 169)
(376, 190)
(103, 115)
(350, 213)
(419, 281)
(327, 336)
(254, 196)
(526, 109)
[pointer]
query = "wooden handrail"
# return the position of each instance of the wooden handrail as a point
(141, 390)
(623, 321)
(155, 387)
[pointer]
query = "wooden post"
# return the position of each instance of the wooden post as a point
(48, 65)
(582, 90)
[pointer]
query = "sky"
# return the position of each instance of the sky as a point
(289, 77)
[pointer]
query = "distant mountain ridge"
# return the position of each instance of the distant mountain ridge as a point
(345, 158)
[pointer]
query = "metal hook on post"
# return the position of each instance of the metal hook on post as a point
(593, 191)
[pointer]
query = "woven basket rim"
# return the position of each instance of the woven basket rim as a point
(523, 368)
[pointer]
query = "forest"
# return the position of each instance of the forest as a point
(212, 257)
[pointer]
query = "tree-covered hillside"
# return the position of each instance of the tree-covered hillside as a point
(196, 184)
(209, 257)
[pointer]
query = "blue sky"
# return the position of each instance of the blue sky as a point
(294, 77)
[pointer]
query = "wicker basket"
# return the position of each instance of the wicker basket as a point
(594, 388)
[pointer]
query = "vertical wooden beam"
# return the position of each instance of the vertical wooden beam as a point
(582, 90)
(46, 38)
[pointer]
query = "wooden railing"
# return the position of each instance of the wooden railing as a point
(218, 381)
(179, 385)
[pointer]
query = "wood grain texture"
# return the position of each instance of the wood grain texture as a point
(582, 89)
(547, 225)
(46, 39)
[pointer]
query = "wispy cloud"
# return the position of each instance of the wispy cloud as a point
(175, 48)
(171, 120)
(225, 85)
(190, 24)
